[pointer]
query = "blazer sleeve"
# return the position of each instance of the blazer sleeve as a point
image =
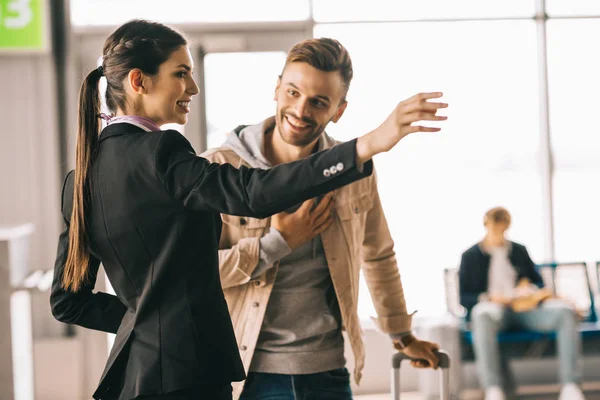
(202, 185)
(468, 291)
(99, 311)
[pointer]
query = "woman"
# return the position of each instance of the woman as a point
(142, 203)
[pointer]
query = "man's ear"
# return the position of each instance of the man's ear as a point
(277, 88)
(137, 81)
(339, 112)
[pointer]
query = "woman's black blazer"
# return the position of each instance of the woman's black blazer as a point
(153, 221)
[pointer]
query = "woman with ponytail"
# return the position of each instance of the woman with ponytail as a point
(145, 206)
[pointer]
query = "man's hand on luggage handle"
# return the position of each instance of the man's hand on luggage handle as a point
(422, 353)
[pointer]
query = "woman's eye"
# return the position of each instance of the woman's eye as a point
(181, 74)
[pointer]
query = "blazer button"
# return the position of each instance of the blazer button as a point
(326, 173)
(243, 221)
(243, 347)
(333, 170)
(356, 210)
(340, 166)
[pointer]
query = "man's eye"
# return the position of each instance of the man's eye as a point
(292, 92)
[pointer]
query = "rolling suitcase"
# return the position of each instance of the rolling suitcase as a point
(444, 370)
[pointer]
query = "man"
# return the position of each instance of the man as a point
(495, 274)
(291, 282)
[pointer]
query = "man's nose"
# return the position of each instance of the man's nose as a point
(301, 108)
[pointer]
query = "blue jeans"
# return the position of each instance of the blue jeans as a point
(553, 315)
(329, 385)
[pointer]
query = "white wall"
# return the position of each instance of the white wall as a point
(29, 162)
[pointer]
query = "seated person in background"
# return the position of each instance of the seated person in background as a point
(501, 289)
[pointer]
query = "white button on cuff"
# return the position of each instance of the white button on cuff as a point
(333, 170)
(340, 167)
(326, 173)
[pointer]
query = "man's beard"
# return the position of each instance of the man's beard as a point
(300, 140)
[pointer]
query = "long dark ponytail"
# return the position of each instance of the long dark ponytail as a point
(88, 127)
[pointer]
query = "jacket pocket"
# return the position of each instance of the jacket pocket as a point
(353, 215)
(355, 207)
(245, 222)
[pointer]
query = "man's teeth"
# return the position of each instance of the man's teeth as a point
(295, 124)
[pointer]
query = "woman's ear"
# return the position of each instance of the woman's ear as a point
(136, 80)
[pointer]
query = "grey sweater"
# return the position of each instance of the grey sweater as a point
(302, 328)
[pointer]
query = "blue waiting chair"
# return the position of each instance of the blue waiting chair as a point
(570, 280)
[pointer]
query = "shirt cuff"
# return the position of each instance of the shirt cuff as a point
(273, 248)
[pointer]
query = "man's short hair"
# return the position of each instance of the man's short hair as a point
(326, 55)
(497, 215)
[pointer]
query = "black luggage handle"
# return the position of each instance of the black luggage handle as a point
(440, 354)
(444, 364)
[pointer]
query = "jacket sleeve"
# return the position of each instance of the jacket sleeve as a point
(99, 311)
(531, 272)
(381, 270)
(250, 258)
(468, 292)
(253, 192)
(237, 263)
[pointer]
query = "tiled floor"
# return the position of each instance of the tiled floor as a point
(543, 392)
(417, 396)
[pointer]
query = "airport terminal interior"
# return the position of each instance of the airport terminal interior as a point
(521, 79)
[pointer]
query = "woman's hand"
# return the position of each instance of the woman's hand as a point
(399, 124)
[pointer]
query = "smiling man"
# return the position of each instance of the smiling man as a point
(291, 281)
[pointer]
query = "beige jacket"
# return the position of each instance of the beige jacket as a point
(359, 237)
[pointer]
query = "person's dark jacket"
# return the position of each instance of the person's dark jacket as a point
(474, 268)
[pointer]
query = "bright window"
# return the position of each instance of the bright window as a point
(239, 90)
(573, 86)
(435, 188)
(573, 7)
(115, 12)
(385, 10)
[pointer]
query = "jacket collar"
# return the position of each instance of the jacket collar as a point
(247, 141)
(118, 130)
